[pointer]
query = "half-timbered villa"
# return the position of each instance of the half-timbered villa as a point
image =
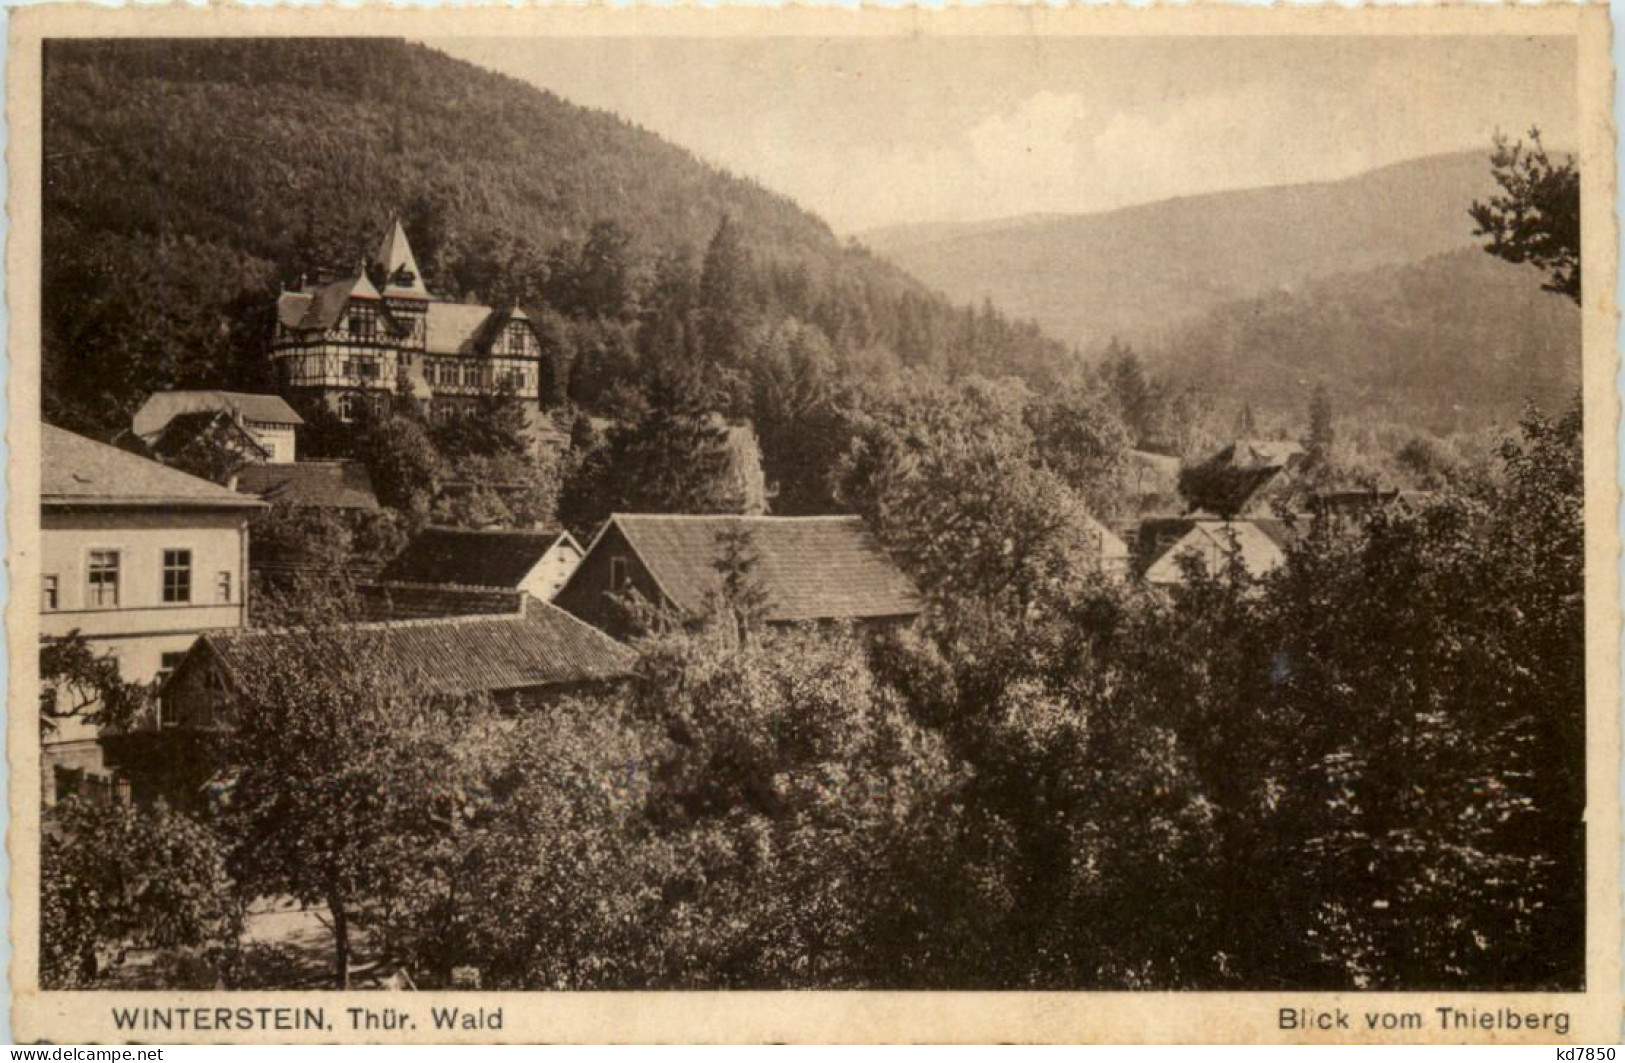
(351, 341)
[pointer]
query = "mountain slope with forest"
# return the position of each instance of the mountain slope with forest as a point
(1453, 342)
(185, 179)
(1141, 272)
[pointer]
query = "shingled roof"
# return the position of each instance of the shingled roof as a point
(539, 646)
(75, 471)
(811, 568)
(488, 558)
(328, 484)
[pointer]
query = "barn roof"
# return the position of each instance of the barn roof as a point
(539, 646)
(811, 568)
(79, 471)
(329, 484)
(488, 558)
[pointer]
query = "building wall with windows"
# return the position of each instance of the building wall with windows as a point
(139, 585)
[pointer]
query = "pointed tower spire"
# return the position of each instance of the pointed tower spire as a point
(362, 288)
(401, 276)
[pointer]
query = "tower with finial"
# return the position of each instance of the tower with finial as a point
(404, 292)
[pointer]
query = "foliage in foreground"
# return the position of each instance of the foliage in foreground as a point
(1363, 771)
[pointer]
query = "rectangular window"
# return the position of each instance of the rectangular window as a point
(48, 593)
(620, 574)
(361, 368)
(363, 321)
(102, 579)
(222, 588)
(167, 665)
(177, 575)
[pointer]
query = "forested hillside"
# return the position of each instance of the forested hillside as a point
(1140, 272)
(1451, 343)
(185, 179)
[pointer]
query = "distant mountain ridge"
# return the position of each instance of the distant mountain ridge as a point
(1142, 272)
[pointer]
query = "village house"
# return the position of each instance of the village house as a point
(523, 653)
(138, 558)
(262, 428)
(1215, 544)
(808, 569)
(1259, 473)
(352, 342)
(534, 561)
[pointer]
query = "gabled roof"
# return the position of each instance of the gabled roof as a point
(490, 558)
(323, 306)
(811, 568)
(394, 255)
(454, 328)
(75, 471)
(187, 429)
(328, 484)
(162, 407)
(1215, 541)
(539, 645)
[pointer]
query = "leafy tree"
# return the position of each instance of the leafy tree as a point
(77, 683)
(1077, 434)
(950, 479)
(118, 877)
(1536, 217)
(547, 878)
(672, 459)
(405, 465)
(493, 426)
(345, 771)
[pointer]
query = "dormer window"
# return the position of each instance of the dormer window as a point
(403, 278)
(363, 321)
(515, 337)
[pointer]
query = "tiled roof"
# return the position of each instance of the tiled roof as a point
(329, 484)
(538, 647)
(812, 568)
(1214, 541)
(397, 600)
(79, 471)
(453, 328)
(162, 407)
(492, 558)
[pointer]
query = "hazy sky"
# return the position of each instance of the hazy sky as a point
(871, 132)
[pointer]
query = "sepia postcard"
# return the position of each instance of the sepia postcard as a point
(1024, 524)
